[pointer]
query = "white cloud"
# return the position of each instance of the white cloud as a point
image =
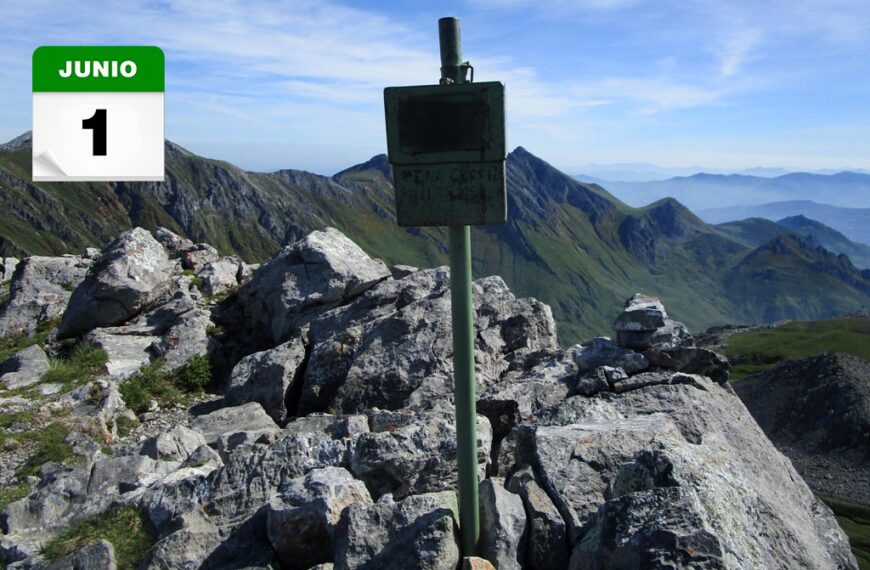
(736, 50)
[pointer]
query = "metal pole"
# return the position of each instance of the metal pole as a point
(463, 329)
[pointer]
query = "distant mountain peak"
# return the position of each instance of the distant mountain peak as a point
(22, 140)
(379, 163)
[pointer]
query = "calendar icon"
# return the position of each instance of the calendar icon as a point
(98, 113)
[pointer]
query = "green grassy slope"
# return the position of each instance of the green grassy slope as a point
(756, 351)
(572, 245)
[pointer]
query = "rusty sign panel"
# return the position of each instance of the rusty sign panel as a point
(447, 147)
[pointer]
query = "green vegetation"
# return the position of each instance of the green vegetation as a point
(757, 351)
(124, 527)
(195, 375)
(79, 366)
(12, 344)
(13, 493)
(855, 520)
(50, 447)
(48, 440)
(167, 388)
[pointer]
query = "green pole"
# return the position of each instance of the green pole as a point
(463, 328)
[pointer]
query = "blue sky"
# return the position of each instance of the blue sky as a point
(725, 84)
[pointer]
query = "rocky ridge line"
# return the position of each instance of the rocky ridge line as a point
(334, 444)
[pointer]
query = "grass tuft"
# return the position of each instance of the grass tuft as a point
(167, 388)
(13, 493)
(80, 366)
(124, 527)
(51, 446)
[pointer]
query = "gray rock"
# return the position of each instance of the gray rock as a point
(418, 532)
(266, 377)
(219, 276)
(236, 441)
(247, 417)
(248, 481)
(692, 360)
(97, 556)
(174, 331)
(502, 525)
(545, 384)
(392, 346)
(672, 335)
(758, 509)
(547, 536)
(411, 453)
(601, 351)
(131, 274)
(7, 267)
(24, 368)
(624, 383)
(301, 523)
(127, 348)
(317, 272)
(642, 313)
(591, 383)
(337, 427)
(183, 329)
(39, 291)
(187, 548)
(631, 530)
(401, 271)
(91, 253)
(174, 243)
(199, 256)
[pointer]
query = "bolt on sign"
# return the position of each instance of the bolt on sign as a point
(98, 113)
(447, 147)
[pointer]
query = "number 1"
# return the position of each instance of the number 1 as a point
(97, 123)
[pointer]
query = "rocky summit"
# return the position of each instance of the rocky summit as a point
(326, 436)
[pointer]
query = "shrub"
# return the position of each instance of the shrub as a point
(124, 527)
(153, 383)
(150, 383)
(195, 374)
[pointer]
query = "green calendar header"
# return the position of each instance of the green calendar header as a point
(98, 68)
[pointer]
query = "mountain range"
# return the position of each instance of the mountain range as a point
(757, 231)
(573, 245)
(644, 172)
(854, 223)
(704, 191)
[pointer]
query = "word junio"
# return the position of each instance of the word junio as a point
(98, 69)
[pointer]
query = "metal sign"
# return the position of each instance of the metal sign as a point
(447, 147)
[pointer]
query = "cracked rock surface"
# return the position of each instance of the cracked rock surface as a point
(331, 439)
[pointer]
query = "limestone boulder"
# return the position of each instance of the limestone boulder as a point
(314, 273)
(247, 417)
(130, 276)
(24, 368)
(421, 532)
(267, 377)
(39, 292)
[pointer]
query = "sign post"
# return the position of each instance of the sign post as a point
(446, 144)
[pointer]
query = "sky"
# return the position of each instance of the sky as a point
(268, 84)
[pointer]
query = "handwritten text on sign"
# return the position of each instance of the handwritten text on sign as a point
(429, 193)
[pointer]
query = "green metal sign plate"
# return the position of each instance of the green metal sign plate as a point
(447, 147)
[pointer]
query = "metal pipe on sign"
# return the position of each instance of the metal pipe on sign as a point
(453, 71)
